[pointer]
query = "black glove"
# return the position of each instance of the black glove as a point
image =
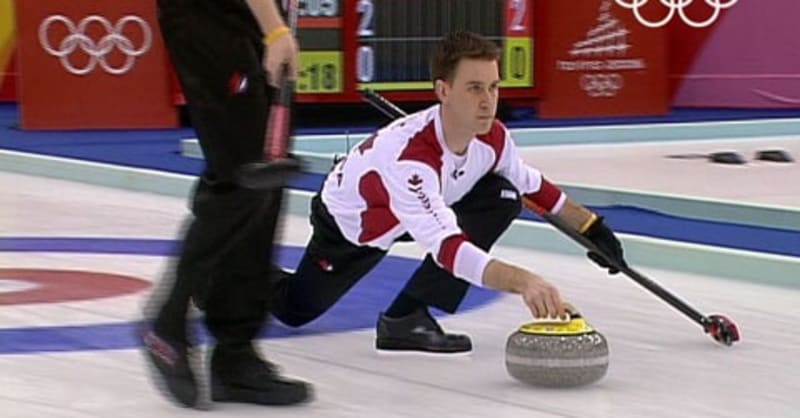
(603, 237)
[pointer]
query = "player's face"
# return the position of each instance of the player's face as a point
(473, 95)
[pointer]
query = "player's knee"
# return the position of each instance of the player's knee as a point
(510, 203)
(504, 197)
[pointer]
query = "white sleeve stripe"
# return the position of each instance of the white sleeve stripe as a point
(470, 263)
(559, 204)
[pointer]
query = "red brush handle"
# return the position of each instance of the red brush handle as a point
(278, 138)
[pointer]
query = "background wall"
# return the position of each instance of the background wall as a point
(749, 58)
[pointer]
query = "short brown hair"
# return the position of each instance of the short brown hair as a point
(457, 46)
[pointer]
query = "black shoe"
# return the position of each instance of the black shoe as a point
(418, 332)
(171, 361)
(240, 375)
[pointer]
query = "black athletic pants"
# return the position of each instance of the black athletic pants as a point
(226, 251)
(331, 264)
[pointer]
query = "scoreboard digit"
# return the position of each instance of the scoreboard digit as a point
(517, 61)
(320, 72)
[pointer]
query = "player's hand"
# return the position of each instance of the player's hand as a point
(283, 50)
(605, 240)
(542, 298)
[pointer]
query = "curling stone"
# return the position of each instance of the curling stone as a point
(557, 353)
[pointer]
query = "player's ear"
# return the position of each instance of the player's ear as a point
(441, 88)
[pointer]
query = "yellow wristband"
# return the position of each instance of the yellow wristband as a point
(588, 224)
(274, 34)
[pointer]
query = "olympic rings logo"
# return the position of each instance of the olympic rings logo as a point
(601, 85)
(677, 6)
(97, 50)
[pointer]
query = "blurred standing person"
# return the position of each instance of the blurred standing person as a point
(225, 53)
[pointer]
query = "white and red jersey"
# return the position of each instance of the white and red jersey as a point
(404, 179)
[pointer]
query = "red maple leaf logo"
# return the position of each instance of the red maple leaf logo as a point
(367, 144)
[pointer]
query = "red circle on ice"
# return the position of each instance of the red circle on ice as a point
(23, 286)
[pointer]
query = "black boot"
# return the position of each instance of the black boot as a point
(171, 360)
(238, 374)
(418, 331)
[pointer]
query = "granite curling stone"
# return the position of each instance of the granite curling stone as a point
(557, 354)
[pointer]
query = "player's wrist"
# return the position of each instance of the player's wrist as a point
(276, 34)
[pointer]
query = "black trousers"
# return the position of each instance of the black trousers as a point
(332, 265)
(227, 246)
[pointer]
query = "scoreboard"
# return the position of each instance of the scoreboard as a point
(384, 45)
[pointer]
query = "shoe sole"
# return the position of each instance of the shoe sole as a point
(174, 391)
(388, 344)
(222, 394)
(178, 393)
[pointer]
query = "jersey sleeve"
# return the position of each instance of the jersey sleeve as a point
(416, 201)
(528, 180)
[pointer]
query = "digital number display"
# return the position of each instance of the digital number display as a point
(320, 30)
(397, 37)
(320, 72)
(385, 45)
